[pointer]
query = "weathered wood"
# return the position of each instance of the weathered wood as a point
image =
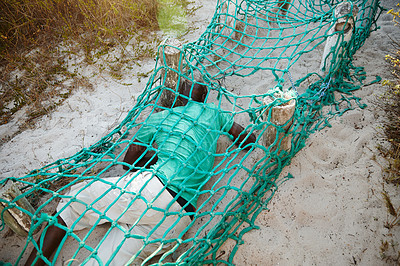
(345, 12)
(280, 115)
(171, 58)
(283, 6)
(15, 218)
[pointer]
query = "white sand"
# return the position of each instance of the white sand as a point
(331, 213)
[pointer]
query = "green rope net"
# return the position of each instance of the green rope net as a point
(248, 42)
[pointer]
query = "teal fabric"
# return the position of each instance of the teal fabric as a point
(186, 138)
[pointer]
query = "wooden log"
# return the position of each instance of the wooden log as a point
(279, 115)
(171, 59)
(16, 219)
(345, 12)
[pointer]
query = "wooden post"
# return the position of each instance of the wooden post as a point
(283, 6)
(228, 16)
(279, 11)
(344, 24)
(171, 58)
(279, 115)
(17, 220)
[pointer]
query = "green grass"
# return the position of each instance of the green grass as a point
(172, 17)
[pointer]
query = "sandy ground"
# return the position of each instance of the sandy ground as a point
(330, 213)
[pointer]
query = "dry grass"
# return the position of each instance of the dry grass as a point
(32, 67)
(29, 23)
(390, 104)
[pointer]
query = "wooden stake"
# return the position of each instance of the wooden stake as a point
(283, 6)
(172, 60)
(343, 25)
(17, 220)
(279, 115)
